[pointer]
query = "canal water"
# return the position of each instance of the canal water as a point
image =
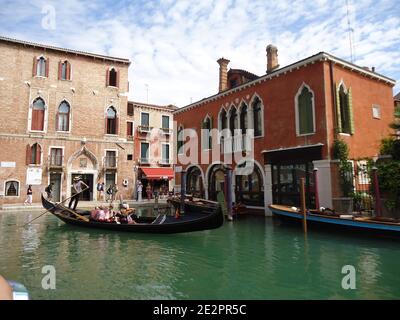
(250, 258)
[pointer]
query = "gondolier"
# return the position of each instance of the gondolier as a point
(77, 187)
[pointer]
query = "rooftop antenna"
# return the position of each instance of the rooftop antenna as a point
(351, 32)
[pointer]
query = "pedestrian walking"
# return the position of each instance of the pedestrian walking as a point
(28, 195)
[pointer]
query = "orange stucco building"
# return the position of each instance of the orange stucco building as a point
(294, 114)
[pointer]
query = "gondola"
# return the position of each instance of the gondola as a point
(354, 223)
(211, 218)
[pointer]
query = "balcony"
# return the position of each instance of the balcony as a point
(110, 162)
(144, 161)
(166, 131)
(55, 162)
(144, 129)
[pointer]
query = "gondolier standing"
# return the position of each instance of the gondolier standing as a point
(77, 188)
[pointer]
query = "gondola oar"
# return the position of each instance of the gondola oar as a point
(53, 206)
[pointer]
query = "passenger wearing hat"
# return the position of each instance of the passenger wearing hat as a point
(77, 188)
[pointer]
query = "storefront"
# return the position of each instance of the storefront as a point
(288, 167)
(157, 178)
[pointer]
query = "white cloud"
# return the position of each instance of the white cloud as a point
(174, 45)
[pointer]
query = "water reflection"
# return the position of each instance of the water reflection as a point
(252, 258)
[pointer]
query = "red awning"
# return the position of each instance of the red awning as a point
(158, 173)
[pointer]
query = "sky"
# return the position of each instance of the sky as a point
(174, 45)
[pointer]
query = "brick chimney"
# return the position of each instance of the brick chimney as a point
(223, 74)
(272, 58)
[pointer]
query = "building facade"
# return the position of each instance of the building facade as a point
(64, 114)
(154, 145)
(282, 126)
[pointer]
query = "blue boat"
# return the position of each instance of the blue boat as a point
(375, 225)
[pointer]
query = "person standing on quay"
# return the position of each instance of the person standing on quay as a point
(148, 192)
(139, 191)
(49, 190)
(28, 195)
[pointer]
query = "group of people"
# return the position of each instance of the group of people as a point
(111, 192)
(126, 215)
(149, 191)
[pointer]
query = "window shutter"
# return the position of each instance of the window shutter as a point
(106, 124)
(338, 115)
(68, 73)
(28, 154)
(108, 77)
(34, 68)
(117, 78)
(47, 67)
(38, 152)
(59, 70)
(350, 105)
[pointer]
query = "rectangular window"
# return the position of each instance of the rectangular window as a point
(144, 152)
(376, 111)
(110, 159)
(129, 128)
(130, 109)
(129, 157)
(165, 153)
(165, 122)
(144, 121)
(56, 157)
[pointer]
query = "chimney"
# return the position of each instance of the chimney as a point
(223, 74)
(373, 69)
(272, 58)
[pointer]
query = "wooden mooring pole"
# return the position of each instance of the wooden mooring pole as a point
(303, 203)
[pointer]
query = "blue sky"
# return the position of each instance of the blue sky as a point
(174, 45)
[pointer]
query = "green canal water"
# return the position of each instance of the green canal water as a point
(251, 258)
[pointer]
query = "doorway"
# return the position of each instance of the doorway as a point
(56, 179)
(86, 195)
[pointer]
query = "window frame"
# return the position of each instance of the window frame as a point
(116, 119)
(297, 110)
(69, 117)
(18, 190)
(162, 153)
(148, 151)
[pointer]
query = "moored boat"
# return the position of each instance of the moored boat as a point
(210, 218)
(375, 225)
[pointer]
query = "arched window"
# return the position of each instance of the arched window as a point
(243, 126)
(305, 111)
(180, 142)
(257, 117)
(38, 111)
(112, 77)
(206, 133)
(233, 124)
(33, 154)
(41, 67)
(63, 116)
(12, 189)
(111, 121)
(64, 70)
(344, 110)
(249, 188)
(194, 183)
(223, 121)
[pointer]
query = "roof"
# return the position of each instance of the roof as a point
(244, 73)
(169, 107)
(321, 56)
(397, 97)
(81, 53)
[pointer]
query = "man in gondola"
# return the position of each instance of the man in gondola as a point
(77, 187)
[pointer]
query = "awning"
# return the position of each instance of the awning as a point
(158, 173)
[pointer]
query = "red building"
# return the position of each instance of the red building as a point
(295, 112)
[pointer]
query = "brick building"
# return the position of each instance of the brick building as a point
(154, 145)
(293, 114)
(64, 113)
(397, 100)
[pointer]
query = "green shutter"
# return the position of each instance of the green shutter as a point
(338, 115)
(350, 105)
